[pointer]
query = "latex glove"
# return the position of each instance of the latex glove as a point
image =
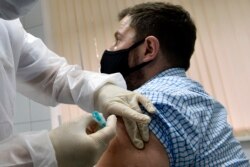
(111, 99)
(74, 147)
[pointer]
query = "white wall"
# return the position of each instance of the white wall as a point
(29, 115)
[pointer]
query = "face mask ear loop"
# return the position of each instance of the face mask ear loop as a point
(136, 68)
(136, 44)
(126, 50)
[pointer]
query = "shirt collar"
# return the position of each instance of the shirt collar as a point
(180, 72)
(172, 72)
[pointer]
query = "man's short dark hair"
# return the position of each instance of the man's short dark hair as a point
(171, 24)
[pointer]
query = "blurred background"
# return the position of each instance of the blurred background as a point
(81, 30)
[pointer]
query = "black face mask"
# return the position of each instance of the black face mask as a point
(117, 61)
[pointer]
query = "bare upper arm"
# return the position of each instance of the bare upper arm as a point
(121, 152)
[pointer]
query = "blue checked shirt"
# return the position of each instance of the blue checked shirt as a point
(191, 125)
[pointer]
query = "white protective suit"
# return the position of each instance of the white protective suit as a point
(25, 60)
(12, 9)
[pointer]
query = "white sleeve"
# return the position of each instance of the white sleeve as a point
(27, 150)
(49, 79)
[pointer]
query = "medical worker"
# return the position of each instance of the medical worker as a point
(29, 67)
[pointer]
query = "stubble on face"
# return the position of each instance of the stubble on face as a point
(134, 80)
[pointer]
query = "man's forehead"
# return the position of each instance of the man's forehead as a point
(125, 22)
(124, 27)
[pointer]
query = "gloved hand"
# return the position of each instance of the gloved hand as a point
(111, 99)
(74, 147)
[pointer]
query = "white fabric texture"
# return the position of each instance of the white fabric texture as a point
(43, 76)
(36, 144)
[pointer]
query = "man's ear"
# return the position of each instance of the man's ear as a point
(152, 48)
